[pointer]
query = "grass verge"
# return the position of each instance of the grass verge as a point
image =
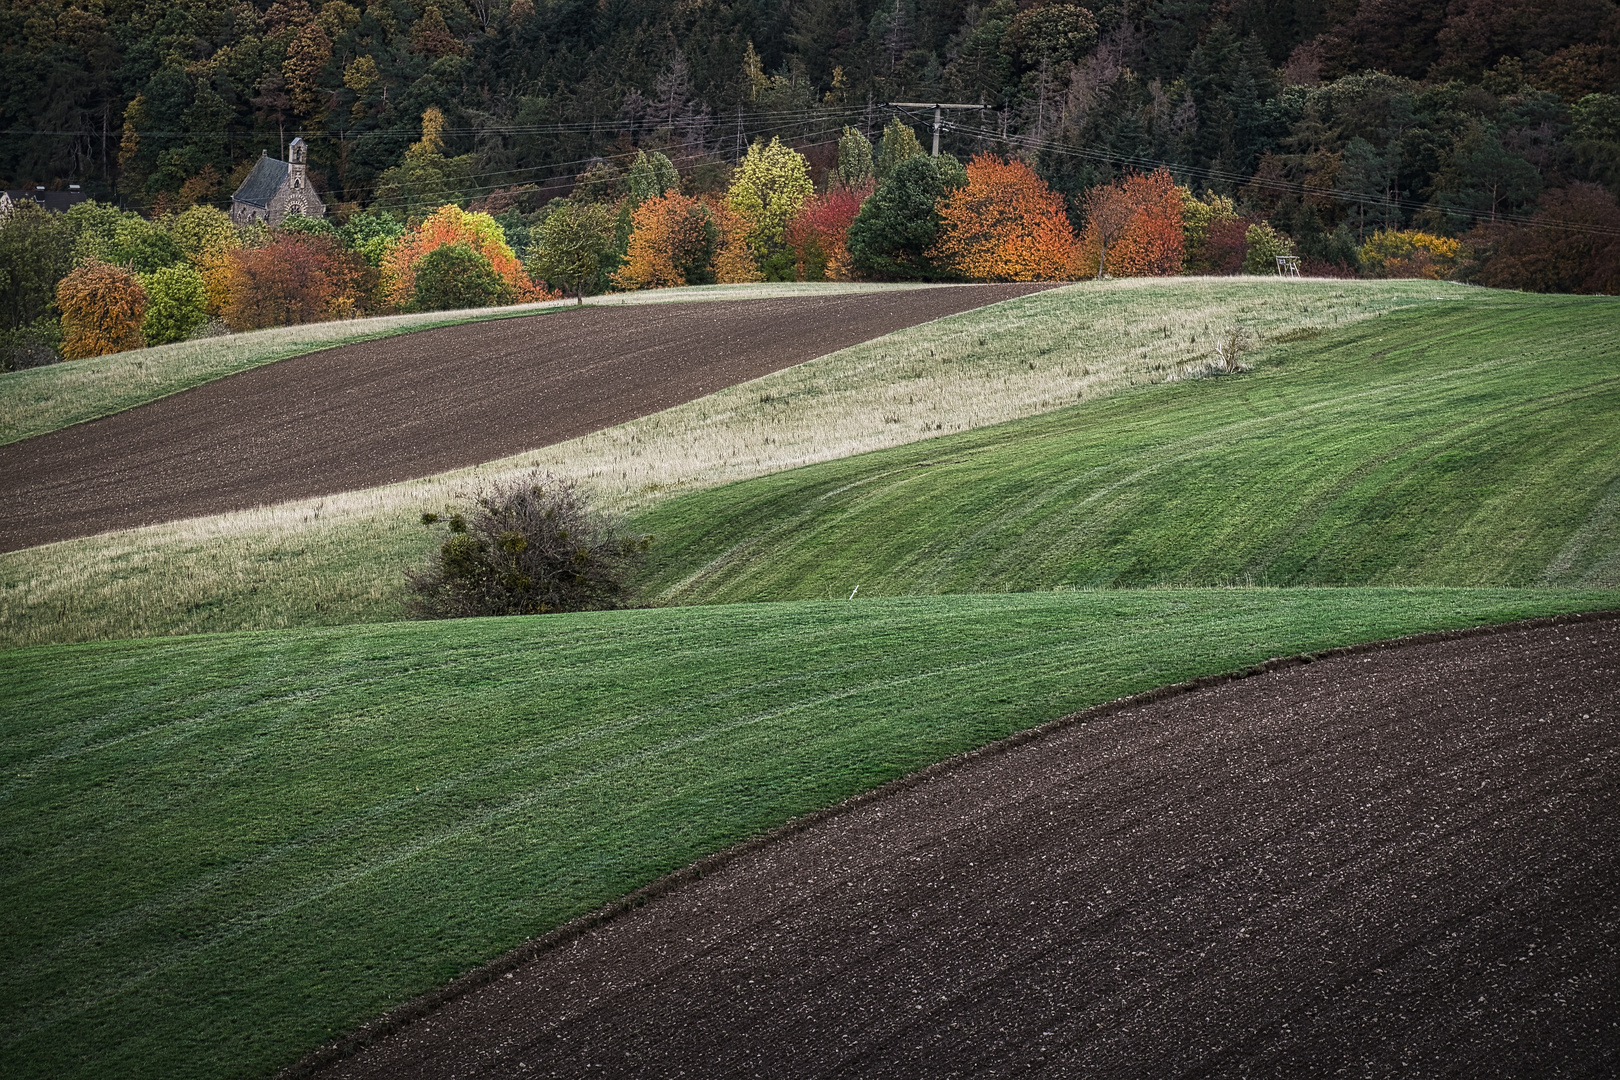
(220, 851)
(1461, 445)
(44, 399)
(339, 559)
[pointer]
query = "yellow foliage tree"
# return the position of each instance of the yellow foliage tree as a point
(766, 192)
(1398, 254)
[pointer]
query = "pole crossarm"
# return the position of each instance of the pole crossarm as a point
(938, 106)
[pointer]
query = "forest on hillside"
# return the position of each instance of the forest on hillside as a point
(1439, 113)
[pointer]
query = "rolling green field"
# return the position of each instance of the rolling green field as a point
(219, 851)
(340, 559)
(1460, 445)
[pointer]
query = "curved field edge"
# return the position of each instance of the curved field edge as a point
(222, 851)
(340, 559)
(45, 399)
(532, 950)
(1457, 445)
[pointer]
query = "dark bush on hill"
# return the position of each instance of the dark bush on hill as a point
(527, 546)
(455, 276)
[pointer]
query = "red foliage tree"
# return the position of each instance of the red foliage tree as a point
(1005, 225)
(1571, 245)
(818, 234)
(102, 307)
(293, 279)
(1133, 228)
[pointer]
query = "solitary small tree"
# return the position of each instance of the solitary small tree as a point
(574, 240)
(527, 546)
(1108, 214)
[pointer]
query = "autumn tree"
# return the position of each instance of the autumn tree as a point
(450, 224)
(292, 279)
(1572, 244)
(818, 235)
(769, 186)
(426, 178)
(734, 261)
(672, 242)
(1199, 219)
(102, 306)
(1005, 225)
(1133, 227)
(1262, 247)
(1394, 253)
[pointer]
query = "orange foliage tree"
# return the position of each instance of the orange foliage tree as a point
(734, 261)
(1005, 225)
(671, 243)
(102, 307)
(296, 278)
(450, 224)
(819, 232)
(1133, 228)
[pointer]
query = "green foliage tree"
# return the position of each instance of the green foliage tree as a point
(952, 173)
(304, 225)
(36, 251)
(426, 179)
(1480, 178)
(899, 144)
(1261, 247)
(855, 168)
(371, 233)
(896, 227)
(143, 246)
(650, 176)
(177, 303)
(200, 231)
(529, 546)
(455, 276)
(768, 188)
(574, 243)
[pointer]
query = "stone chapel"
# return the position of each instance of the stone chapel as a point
(275, 189)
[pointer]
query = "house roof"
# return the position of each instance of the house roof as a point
(50, 200)
(262, 183)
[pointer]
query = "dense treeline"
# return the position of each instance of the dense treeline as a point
(1466, 137)
(1452, 107)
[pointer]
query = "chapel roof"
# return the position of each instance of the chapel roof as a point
(262, 183)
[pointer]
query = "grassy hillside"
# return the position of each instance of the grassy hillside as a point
(44, 399)
(339, 559)
(1462, 444)
(218, 851)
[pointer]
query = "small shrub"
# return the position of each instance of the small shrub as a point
(528, 546)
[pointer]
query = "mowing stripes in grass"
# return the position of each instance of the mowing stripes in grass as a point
(1463, 445)
(219, 851)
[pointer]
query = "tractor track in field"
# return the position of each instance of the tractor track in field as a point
(1398, 859)
(376, 412)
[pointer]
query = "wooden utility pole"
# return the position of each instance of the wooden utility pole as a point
(938, 107)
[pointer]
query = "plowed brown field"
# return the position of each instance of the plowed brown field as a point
(1398, 862)
(409, 406)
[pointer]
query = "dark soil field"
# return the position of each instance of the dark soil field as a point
(409, 406)
(1403, 861)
